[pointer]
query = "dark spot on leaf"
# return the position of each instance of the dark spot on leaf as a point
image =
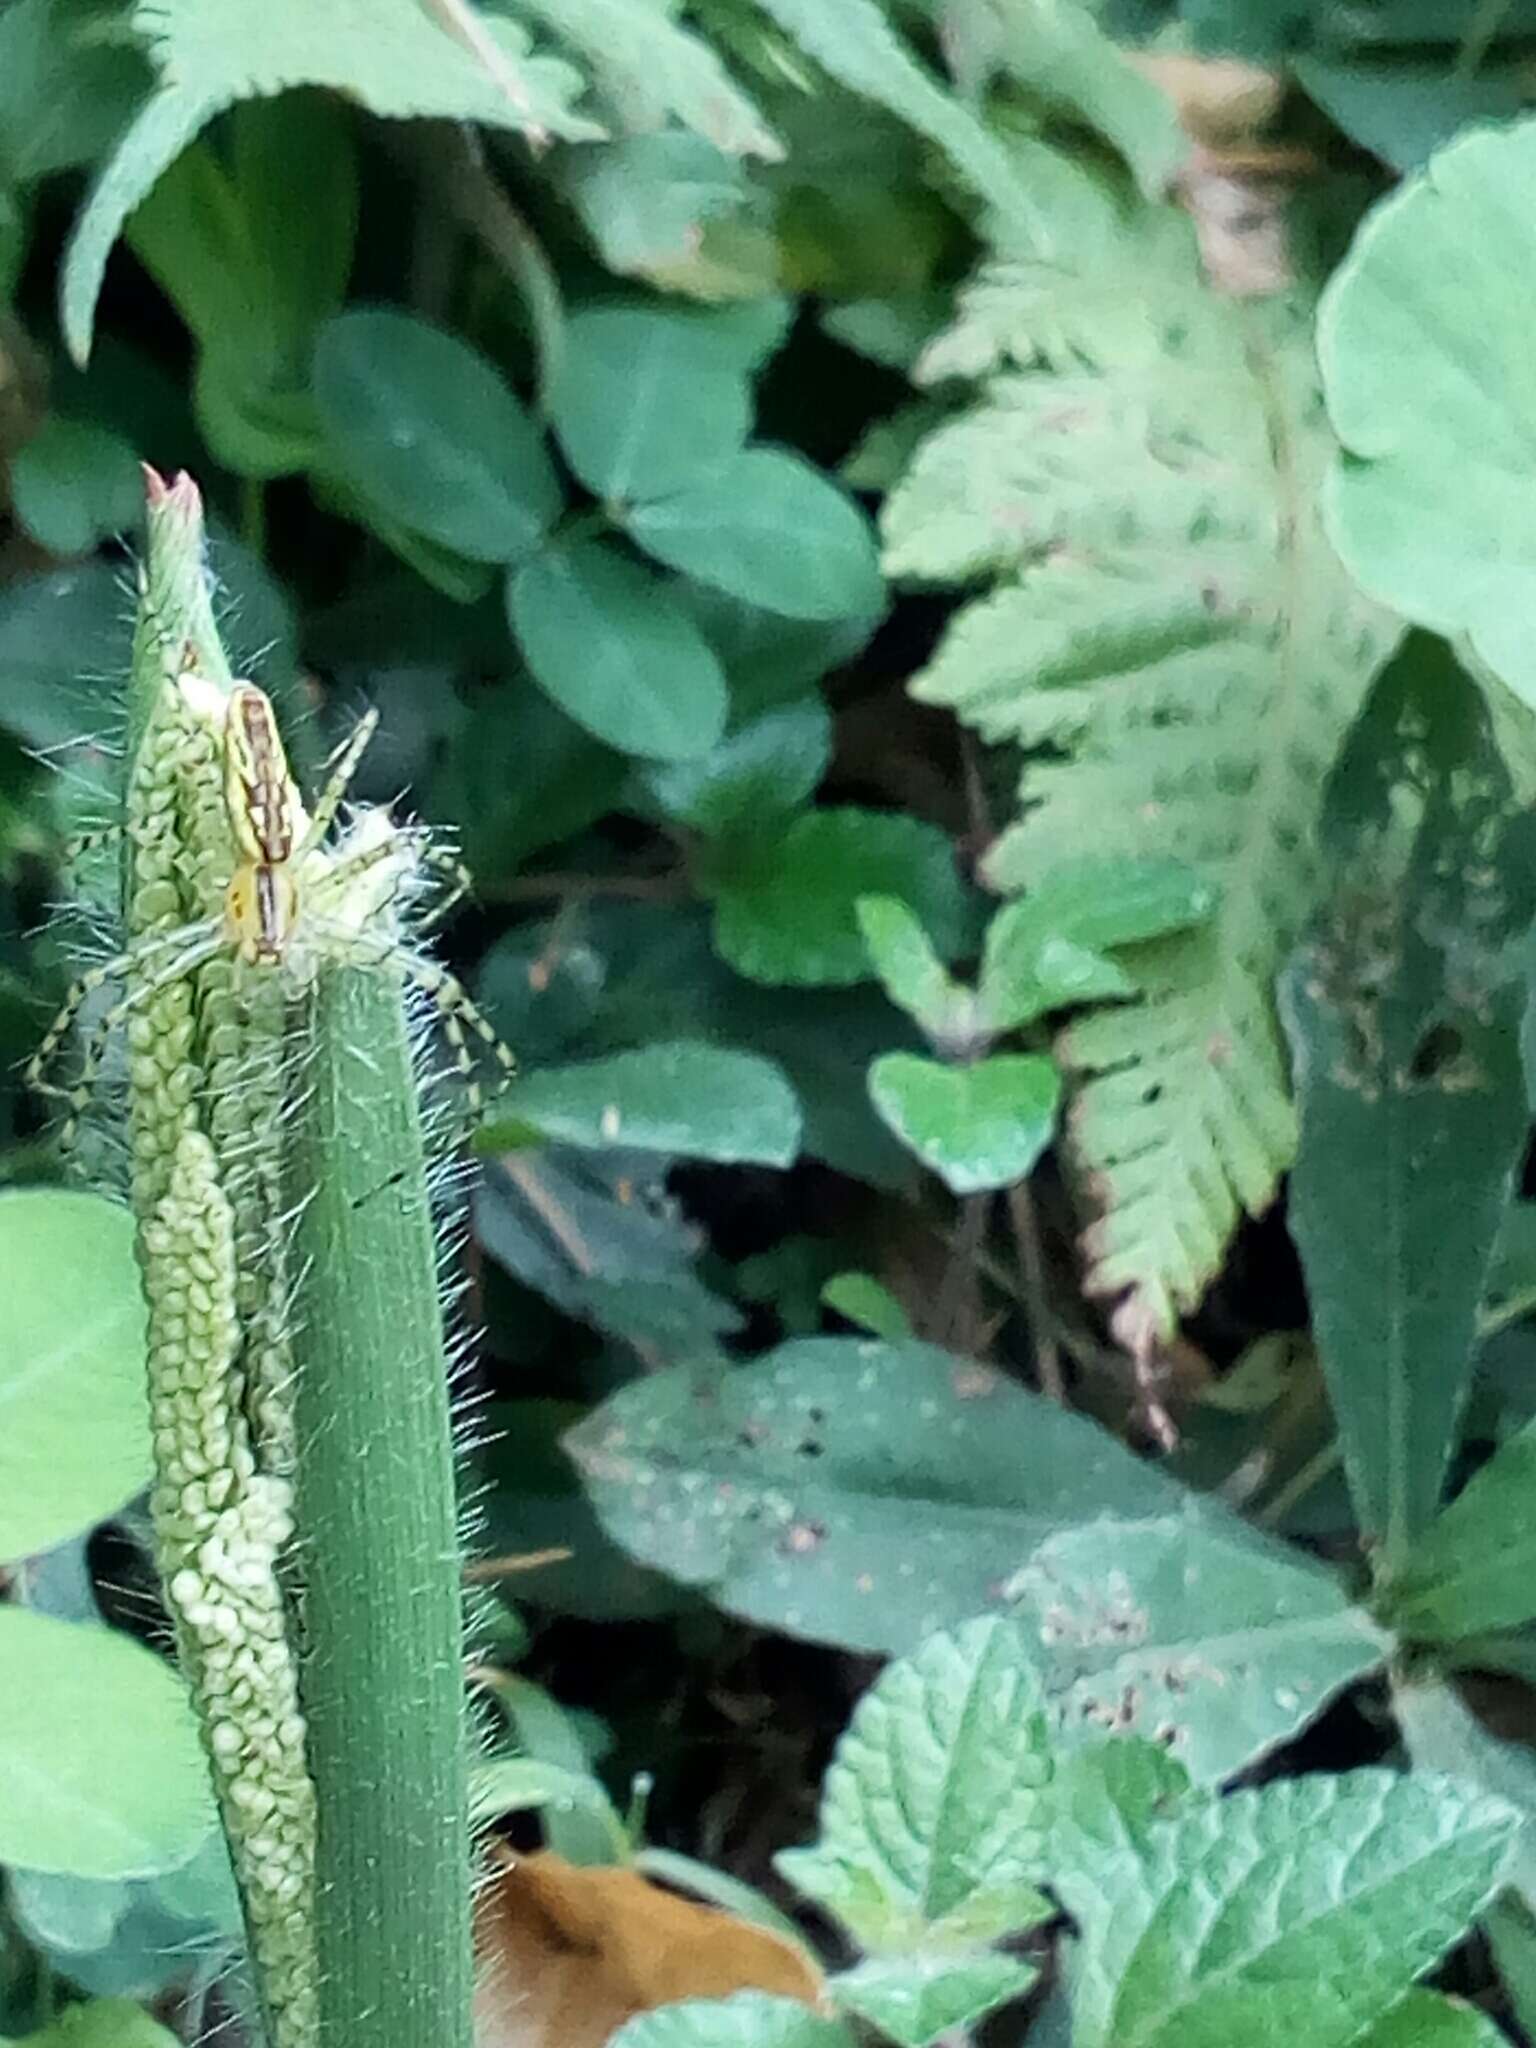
(1435, 1051)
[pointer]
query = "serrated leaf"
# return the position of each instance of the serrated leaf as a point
(101, 1772)
(430, 432)
(770, 528)
(751, 2019)
(74, 1418)
(1174, 647)
(929, 1829)
(64, 92)
(856, 44)
(1299, 1912)
(915, 2000)
(697, 1101)
(74, 484)
(979, 1124)
(852, 1492)
(651, 67)
(1200, 1636)
(768, 766)
(1441, 1733)
(911, 972)
(1404, 1013)
(643, 403)
(391, 56)
(609, 643)
(1423, 348)
(786, 907)
(1474, 1567)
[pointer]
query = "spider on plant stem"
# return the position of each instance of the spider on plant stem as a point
(291, 905)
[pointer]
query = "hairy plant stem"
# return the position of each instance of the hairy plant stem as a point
(381, 1677)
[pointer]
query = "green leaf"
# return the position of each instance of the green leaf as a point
(1474, 1567)
(652, 67)
(855, 44)
(390, 56)
(930, 1825)
(74, 484)
(786, 908)
(1195, 1633)
(917, 1999)
(1404, 105)
(100, 1769)
(861, 1298)
(522, 1784)
(977, 1126)
(769, 765)
(1404, 1014)
(1428, 2019)
(643, 403)
(1177, 652)
(1441, 1733)
(74, 1416)
(911, 972)
(64, 91)
(1299, 1912)
(770, 528)
(749, 2019)
(614, 649)
(851, 1492)
(427, 428)
(255, 251)
(1424, 351)
(697, 1101)
(1043, 951)
(1058, 53)
(648, 200)
(104, 2023)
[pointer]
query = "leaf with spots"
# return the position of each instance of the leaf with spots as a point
(1404, 1010)
(1194, 1632)
(933, 1827)
(1166, 634)
(856, 1493)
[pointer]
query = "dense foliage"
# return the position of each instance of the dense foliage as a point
(960, 574)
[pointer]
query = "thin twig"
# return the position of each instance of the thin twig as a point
(485, 1571)
(1026, 1236)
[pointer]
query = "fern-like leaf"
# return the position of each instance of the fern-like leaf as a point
(1171, 641)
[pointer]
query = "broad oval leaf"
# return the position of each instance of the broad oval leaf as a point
(101, 1773)
(932, 1827)
(1425, 349)
(979, 1124)
(644, 403)
(853, 1492)
(695, 1100)
(613, 648)
(750, 2019)
(911, 972)
(1181, 1940)
(1404, 1013)
(763, 769)
(75, 483)
(786, 906)
(74, 1416)
(773, 530)
(428, 429)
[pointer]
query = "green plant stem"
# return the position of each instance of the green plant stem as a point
(381, 1674)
